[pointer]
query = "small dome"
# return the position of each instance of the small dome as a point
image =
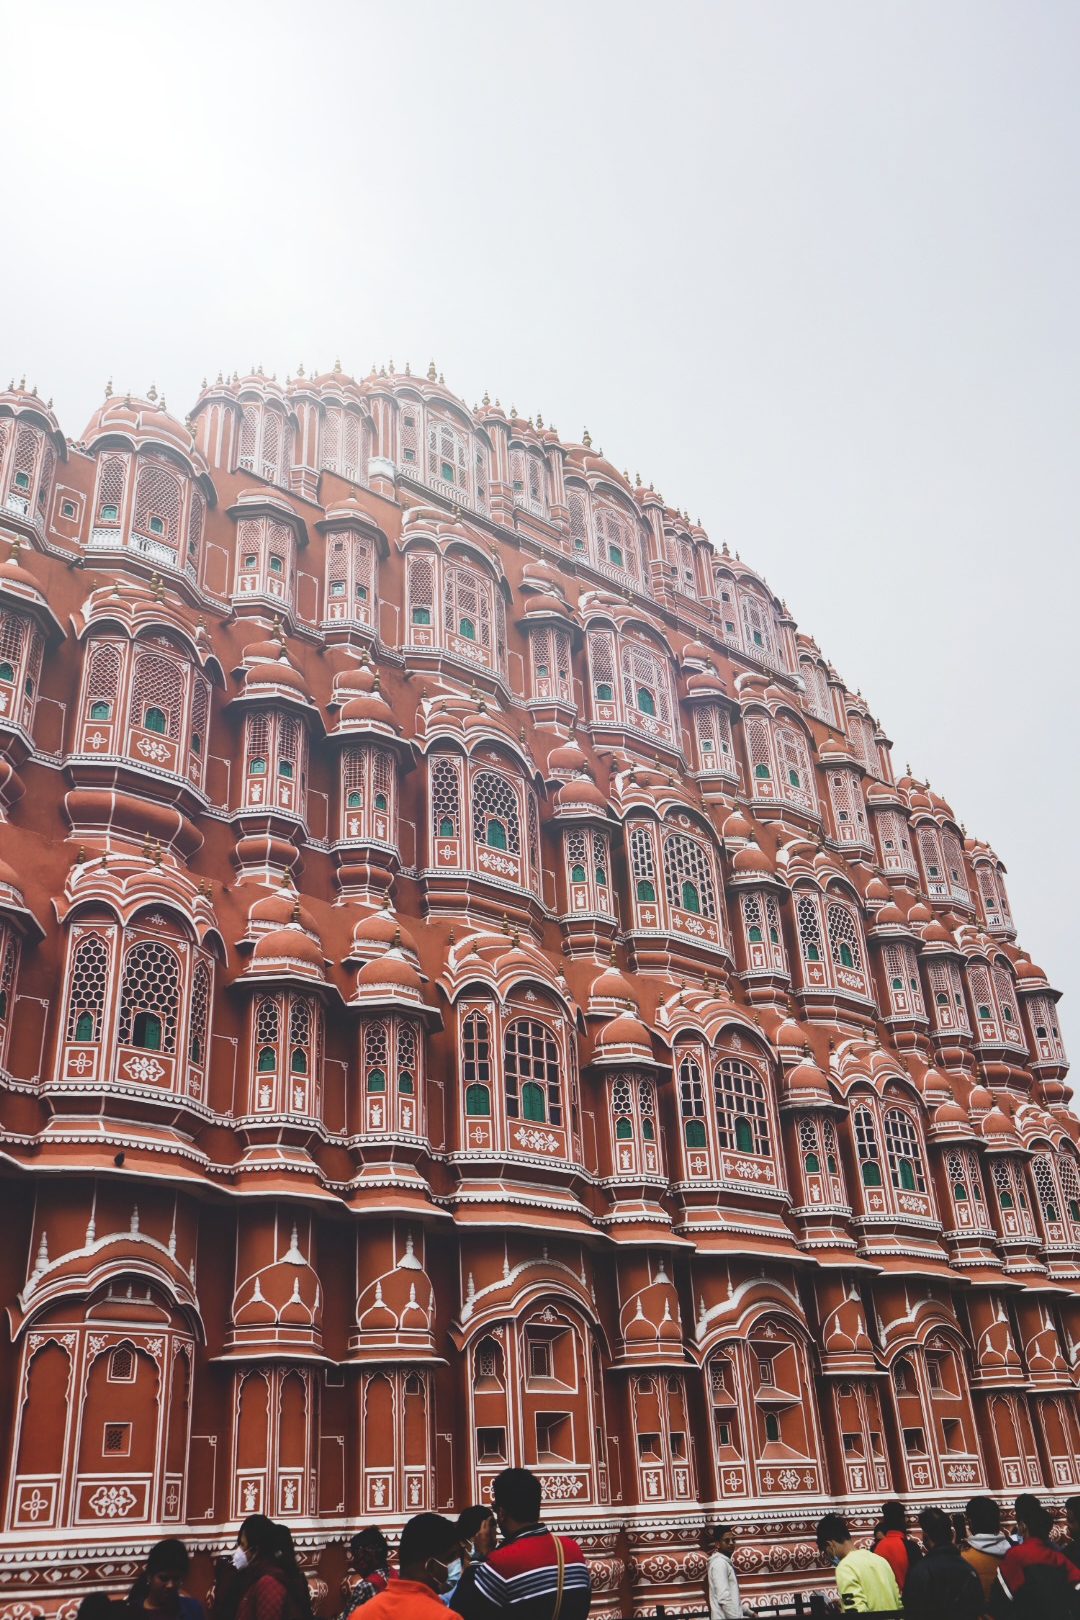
(736, 826)
(539, 606)
(980, 1100)
(705, 681)
(289, 948)
(935, 933)
(790, 1035)
(382, 928)
(998, 1124)
(276, 675)
(580, 794)
(949, 1114)
(806, 1080)
(696, 652)
(752, 858)
(611, 985)
(920, 913)
(280, 909)
(1028, 970)
(140, 421)
(890, 913)
(877, 889)
(391, 970)
(919, 800)
(567, 758)
(369, 709)
(261, 652)
(625, 1030)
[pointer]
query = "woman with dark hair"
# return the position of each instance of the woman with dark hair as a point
(157, 1587)
(263, 1589)
(1034, 1578)
(479, 1534)
(295, 1579)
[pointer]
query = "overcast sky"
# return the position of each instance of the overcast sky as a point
(812, 268)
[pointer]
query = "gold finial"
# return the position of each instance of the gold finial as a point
(157, 853)
(517, 938)
(151, 392)
(108, 389)
(337, 366)
(487, 398)
(505, 924)
(539, 420)
(81, 856)
(586, 439)
(147, 848)
(296, 910)
(450, 940)
(431, 372)
(397, 936)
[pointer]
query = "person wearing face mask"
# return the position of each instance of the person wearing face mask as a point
(263, 1586)
(429, 1545)
(865, 1582)
(479, 1534)
(157, 1589)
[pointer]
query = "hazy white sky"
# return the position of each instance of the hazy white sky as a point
(810, 267)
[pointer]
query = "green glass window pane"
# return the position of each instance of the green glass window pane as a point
(694, 1132)
(267, 1060)
(376, 1080)
(623, 1129)
(532, 1101)
(154, 720)
(645, 890)
(477, 1100)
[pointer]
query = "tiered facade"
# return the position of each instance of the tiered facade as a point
(473, 991)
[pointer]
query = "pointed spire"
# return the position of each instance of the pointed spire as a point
(42, 1260)
(134, 1219)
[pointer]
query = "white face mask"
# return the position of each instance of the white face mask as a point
(453, 1571)
(240, 1558)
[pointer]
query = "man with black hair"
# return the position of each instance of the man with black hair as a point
(894, 1545)
(941, 1586)
(986, 1544)
(533, 1575)
(370, 1558)
(865, 1582)
(1035, 1580)
(429, 1545)
(724, 1600)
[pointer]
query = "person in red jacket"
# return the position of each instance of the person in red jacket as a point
(893, 1545)
(1034, 1579)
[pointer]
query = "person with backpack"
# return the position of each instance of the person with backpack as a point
(941, 1586)
(894, 1543)
(1035, 1581)
(986, 1544)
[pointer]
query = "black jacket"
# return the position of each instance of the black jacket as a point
(943, 1586)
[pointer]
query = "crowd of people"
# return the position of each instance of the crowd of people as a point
(962, 1567)
(489, 1562)
(502, 1561)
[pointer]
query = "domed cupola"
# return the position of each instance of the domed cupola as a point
(30, 445)
(278, 1306)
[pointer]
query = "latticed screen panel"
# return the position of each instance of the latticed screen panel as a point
(759, 753)
(896, 851)
(267, 1021)
(642, 861)
(110, 496)
(712, 726)
(687, 862)
(159, 502)
(846, 806)
(151, 984)
(645, 674)
(88, 988)
(758, 627)
(195, 524)
(844, 931)
(200, 1013)
(866, 1142)
(933, 862)
(495, 797)
(330, 438)
(446, 798)
(103, 673)
(795, 773)
(13, 628)
(158, 683)
(467, 607)
(739, 1094)
(903, 1146)
(954, 866)
(809, 927)
(579, 531)
(531, 1060)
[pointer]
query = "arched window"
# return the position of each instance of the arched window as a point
(110, 495)
(467, 611)
(715, 749)
(531, 1072)
(692, 1101)
(866, 1148)
(688, 875)
(742, 1114)
(642, 865)
(158, 504)
(446, 797)
(646, 689)
(809, 927)
(157, 694)
(421, 592)
(904, 1151)
(300, 1030)
(151, 988)
(87, 988)
(844, 942)
(496, 812)
(476, 1068)
(758, 627)
(796, 775)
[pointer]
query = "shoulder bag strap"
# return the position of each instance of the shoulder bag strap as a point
(560, 1559)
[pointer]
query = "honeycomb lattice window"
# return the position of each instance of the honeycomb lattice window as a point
(103, 673)
(122, 1365)
(89, 982)
(643, 868)
(687, 862)
(742, 1114)
(267, 1022)
(158, 683)
(621, 1095)
(200, 1013)
(13, 628)
(446, 798)
(644, 672)
(195, 524)
(495, 797)
(200, 713)
(758, 749)
(531, 1072)
(151, 984)
(844, 932)
(602, 664)
(809, 927)
(159, 501)
(646, 1099)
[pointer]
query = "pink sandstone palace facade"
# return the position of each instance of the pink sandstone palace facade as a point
(474, 991)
